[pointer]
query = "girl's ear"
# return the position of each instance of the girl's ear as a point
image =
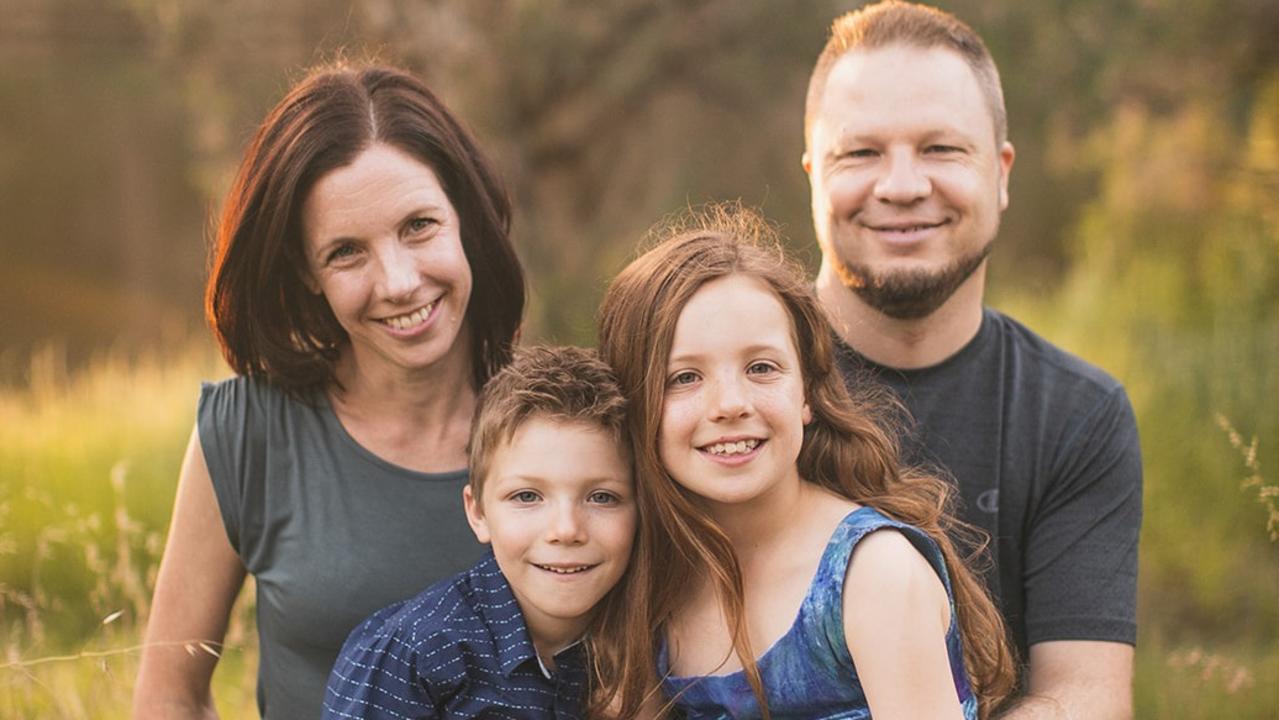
(475, 515)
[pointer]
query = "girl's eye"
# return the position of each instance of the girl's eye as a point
(601, 497)
(525, 497)
(686, 377)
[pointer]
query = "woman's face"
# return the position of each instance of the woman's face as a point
(734, 411)
(383, 246)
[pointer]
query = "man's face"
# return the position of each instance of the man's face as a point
(908, 184)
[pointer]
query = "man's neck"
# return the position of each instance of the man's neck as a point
(903, 344)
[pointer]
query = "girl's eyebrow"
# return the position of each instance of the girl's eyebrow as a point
(745, 351)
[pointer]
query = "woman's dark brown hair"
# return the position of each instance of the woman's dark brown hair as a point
(849, 448)
(267, 323)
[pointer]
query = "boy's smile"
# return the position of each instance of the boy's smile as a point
(558, 508)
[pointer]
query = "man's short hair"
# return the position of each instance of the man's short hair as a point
(901, 23)
(567, 384)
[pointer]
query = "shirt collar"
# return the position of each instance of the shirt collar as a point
(501, 613)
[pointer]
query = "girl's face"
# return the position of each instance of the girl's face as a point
(383, 246)
(734, 411)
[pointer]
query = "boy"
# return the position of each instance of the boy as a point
(551, 492)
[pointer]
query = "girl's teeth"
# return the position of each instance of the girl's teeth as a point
(733, 448)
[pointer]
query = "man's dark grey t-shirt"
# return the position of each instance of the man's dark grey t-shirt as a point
(331, 532)
(1045, 452)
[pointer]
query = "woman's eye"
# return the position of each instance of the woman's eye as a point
(420, 225)
(525, 496)
(340, 252)
(761, 368)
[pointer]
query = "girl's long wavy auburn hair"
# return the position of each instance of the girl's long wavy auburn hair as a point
(848, 448)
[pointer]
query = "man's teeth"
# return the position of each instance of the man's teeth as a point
(733, 448)
(404, 322)
(565, 571)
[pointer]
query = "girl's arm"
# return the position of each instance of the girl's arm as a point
(199, 579)
(895, 618)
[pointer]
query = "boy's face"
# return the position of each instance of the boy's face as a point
(558, 506)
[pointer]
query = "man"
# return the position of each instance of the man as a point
(908, 162)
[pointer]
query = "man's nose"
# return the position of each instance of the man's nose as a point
(904, 179)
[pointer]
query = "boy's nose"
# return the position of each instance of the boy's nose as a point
(566, 526)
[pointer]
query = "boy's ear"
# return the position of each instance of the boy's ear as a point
(475, 515)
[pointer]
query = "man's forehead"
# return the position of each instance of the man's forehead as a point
(899, 83)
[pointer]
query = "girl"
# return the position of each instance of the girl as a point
(363, 288)
(776, 512)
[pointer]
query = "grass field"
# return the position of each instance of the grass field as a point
(88, 464)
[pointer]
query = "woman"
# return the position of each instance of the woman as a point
(363, 288)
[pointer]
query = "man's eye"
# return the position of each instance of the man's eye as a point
(943, 149)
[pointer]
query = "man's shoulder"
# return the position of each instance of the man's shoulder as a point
(1041, 361)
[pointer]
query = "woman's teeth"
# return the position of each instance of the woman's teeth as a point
(733, 448)
(413, 319)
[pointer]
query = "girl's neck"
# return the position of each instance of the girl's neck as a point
(762, 523)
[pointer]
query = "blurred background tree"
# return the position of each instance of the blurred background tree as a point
(1143, 235)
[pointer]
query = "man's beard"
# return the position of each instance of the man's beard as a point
(909, 294)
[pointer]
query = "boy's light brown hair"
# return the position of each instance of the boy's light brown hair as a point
(568, 384)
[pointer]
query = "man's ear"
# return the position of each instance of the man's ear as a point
(475, 515)
(1006, 156)
(806, 163)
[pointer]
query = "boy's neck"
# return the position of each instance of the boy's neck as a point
(550, 636)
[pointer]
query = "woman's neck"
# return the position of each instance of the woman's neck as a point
(417, 419)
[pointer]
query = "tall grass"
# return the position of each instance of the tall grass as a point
(88, 465)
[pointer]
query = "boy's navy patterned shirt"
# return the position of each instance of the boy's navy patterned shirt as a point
(460, 649)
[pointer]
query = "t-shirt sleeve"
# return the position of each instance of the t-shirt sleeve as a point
(1080, 553)
(379, 674)
(231, 426)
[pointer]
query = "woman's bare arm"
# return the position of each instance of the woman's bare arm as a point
(199, 579)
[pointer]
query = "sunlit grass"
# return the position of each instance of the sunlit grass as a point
(88, 466)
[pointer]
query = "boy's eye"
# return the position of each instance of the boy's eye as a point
(525, 496)
(601, 497)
